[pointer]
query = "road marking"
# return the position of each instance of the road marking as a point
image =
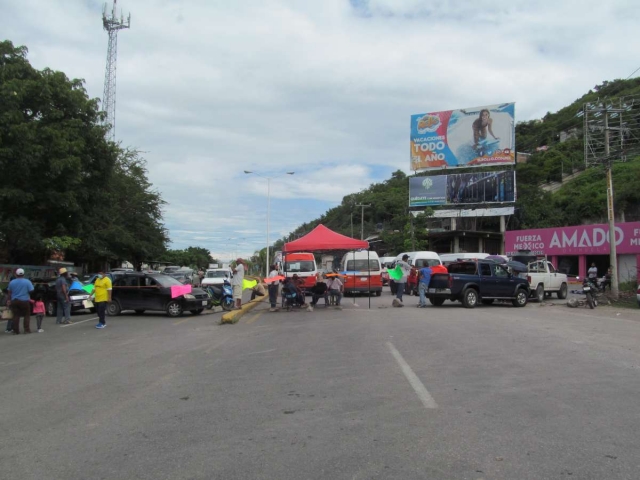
(213, 347)
(424, 396)
(78, 323)
(263, 351)
(254, 318)
(183, 320)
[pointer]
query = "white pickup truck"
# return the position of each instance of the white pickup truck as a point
(544, 279)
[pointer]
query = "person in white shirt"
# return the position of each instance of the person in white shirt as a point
(592, 273)
(334, 288)
(273, 288)
(236, 282)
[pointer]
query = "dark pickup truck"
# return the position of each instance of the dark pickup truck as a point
(477, 281)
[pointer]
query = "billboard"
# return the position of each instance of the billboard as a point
(462, 188)
(471, 137)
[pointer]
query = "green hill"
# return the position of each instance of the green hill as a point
(560, 135)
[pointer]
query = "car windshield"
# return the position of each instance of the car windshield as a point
(165, 280)
(219, 274)
(300, 266)
(360, 265)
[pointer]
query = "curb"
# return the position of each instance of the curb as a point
(235, 315)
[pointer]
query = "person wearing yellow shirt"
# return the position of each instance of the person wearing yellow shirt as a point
(102, 295)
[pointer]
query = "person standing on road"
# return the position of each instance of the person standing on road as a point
(406, 270)
(273, 288)
(19, 290)
(236, 282)
(38, 311)
(592, 273)
(102, 296)
(62, 298)
(423, 284)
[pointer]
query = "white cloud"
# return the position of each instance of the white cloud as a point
(209, 89)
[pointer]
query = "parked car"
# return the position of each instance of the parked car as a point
(474, 281)
(216, 276)
(544, 280)
(141, 291)
(46, 287)
(638, 295)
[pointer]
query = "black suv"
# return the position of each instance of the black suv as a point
(140, 291)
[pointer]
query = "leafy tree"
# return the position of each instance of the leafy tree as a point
(62, 179)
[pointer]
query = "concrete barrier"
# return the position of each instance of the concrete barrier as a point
(235, 315)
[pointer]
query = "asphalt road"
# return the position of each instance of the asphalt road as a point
(543, 392)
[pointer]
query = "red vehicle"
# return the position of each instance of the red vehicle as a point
(303, 265)
(362, 273)
(411, 287)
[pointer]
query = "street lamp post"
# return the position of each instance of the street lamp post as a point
(248, 172)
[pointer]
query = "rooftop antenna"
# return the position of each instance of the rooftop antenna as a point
(112, 24)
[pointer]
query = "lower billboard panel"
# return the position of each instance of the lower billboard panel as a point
(462, 188)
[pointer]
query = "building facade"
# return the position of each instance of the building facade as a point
(573, 249)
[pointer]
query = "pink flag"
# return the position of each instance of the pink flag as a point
(177, 290)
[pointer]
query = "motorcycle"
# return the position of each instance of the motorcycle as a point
(591, 292)
(221, 296)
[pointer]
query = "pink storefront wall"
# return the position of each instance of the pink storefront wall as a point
(578, 240)
(581, 240)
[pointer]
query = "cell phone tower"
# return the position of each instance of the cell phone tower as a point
(112, 24)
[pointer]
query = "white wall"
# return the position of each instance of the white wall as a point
(627, 268)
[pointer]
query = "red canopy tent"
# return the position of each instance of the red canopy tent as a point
(323, 238)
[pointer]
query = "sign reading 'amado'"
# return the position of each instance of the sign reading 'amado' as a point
(578, 240)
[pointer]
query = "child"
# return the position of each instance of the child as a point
(38, 311)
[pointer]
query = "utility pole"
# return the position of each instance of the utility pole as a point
(362, 219)
(112, 24)
(351, 224)
(598, 151)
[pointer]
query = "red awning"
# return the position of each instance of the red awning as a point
(322, 238)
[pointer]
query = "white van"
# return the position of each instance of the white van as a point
(424, 259)
(360, 276)
(448, 258)
(387, 261)
(421, 259)
(216, 276)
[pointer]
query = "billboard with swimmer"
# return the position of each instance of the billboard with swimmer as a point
(470, 137)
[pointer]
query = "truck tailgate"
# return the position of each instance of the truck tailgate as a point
(439, 280)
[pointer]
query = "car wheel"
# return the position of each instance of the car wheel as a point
(197, 312)
(113, 309)
(378, 293)
(488, 301)
(540, 293)
(227, 304)
(139, 312)
(92, 310)
(470, 298)
(438, 302)
(521, 298)
(562, 293)
(50, 308)
(174, 309)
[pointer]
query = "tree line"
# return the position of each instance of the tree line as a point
(66, 192)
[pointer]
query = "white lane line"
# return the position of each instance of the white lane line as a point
(424, 396)
(78, 323)
(258, 353)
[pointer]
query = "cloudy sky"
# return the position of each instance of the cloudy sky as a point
(210, 88)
